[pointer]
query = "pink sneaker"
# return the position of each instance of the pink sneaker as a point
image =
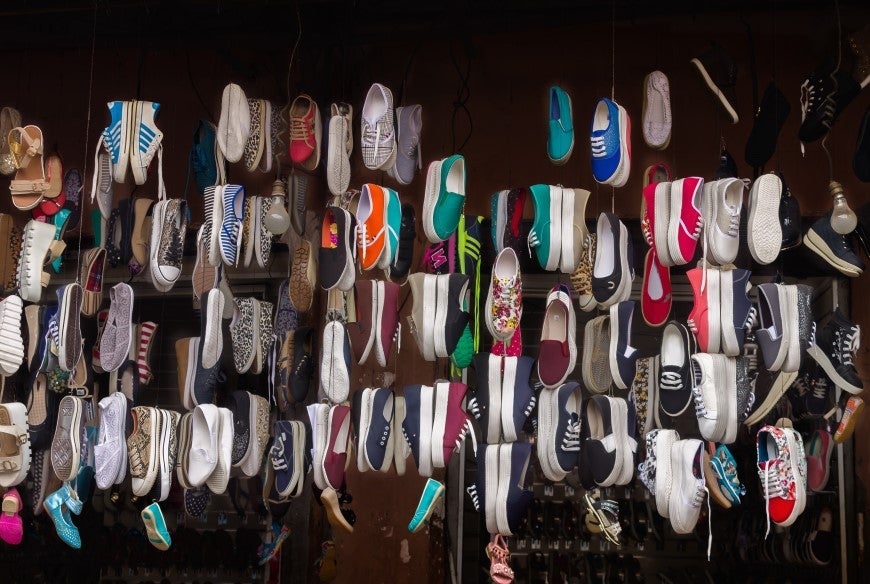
(655, 303)
(819, 450)
(685, 221)
(11, 526)
(305, 132)
(510, 348)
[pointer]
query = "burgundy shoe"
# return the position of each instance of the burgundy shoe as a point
(450, 422)
(386, 320)
(362, 331)
(558, 347)
(338, 441)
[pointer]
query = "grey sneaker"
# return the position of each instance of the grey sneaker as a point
(409, 159)
(746, 376)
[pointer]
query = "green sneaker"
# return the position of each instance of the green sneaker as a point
(546, 234)
(444, 197)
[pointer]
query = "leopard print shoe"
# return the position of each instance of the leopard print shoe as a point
(581, 279)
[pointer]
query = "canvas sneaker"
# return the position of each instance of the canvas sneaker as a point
(378, 136)
(819, 448)
(450, 422)
(424, 290)
(371, 226)
(737, 313)
(504, 301)
(705, 318)
(110, 451)
(560, 137)
(685, 220)
(558, 347)
(675, 371)
(417, 426)
(622, 355)
(305, 132)
(146, 139)
(775, 327)
(117, 137)
(337, 446)
(142, 447)
(782, 473)
(340, 147)
(558, 441)
(444, 197)
(763, 230)
(723, 201)
(451, 312)
(409, 159)
(545, 237)
(512, 498)
(833, 247)
(689, 487)
(723, 482)
(714, 390)
(376, 442)
(607, 447)
(655, 472)
(517, 395)
(657, 111)
(834, 347)
(611, 274)
(719, 72)
(337, 249)
(611, 146)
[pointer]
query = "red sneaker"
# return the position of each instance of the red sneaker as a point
(704, 319)
(685, 222)
(655, 302)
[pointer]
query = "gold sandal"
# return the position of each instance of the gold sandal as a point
(29, 185)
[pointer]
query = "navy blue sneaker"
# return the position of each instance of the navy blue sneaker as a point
(512, 498)
(558, 442)
(281, 458)
(623, 357)
(517, 396)
(377, 412)
(417, 426)
(675, 371)
(607, 446)
(733, 289)
(485, 404)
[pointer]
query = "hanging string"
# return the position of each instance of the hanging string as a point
(613, 83)
(87, 134)
(836, 87)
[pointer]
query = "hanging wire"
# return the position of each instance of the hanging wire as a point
(87, 134)
(836, 88)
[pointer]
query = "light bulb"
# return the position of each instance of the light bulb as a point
(843, 219)
(277, 221)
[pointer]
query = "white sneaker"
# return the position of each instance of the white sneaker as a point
(574, 232)
(504, 300)
(378, 135)
(146, 138)
(11, 340)
(217, 481)
(763, 231)
(723, 200)
(38, 240)
(708, 391)
(689, 487)
(656, 472)
(234, 125)
(335, 363)
(318, 416)
(110, 451)
(203, 456)
(340, 148)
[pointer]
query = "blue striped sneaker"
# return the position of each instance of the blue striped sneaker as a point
(116, 137)
(233, 199)
(146, 139)
(431, 493)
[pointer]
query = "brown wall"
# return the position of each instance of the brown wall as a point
(510, 74)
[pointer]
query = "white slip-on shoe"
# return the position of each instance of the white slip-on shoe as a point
(213, 341)
(338, 168)
(656, 111)
(763, 230)
(234, 125)
(318, 415)
(218, 479)
(204, 432)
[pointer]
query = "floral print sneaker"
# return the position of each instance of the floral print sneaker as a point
(783, 485)
(504, 303)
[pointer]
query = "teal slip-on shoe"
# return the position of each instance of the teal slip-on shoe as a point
(451, 196)
(560, 140)
(545, 237)
(431, 493)
(394, 225)
(158, 535)
(725, 467)
(60, 220)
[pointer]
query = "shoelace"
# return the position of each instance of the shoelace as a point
(299, 129)
(475, 498)
(599, 149)
(700, 406)
(813, 99)
(734, 225)
(474, 407)
(531, 407)
(819, 389)
(773, 487)
(571, 440)
(532, 241)
(372, 138)
(670, 380)
(466, 430)
(751, 319)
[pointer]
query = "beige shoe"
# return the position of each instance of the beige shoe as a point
(303, 276)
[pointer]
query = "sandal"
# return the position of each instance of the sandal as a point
(500, 560)
(9, 118)
(29, 185)
(54, 177)
(602, 517)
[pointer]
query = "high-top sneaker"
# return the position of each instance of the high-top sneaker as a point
(834, 347)
(558, 442)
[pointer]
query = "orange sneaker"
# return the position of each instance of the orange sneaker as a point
(371, 233)
(854, 408)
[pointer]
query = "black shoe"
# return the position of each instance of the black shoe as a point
(719, 72)
(303, 363)
(455, 309)
(789, 217)
(824, 96)
(833, 247)
(862, 230)
(336, 259)
(861, 161)
(833, 349)
(407, 235)
(727, 166)
(771, 116)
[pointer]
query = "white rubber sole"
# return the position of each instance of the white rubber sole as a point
(715, 89)
(800, 490)
(619, 421)
(491, 487)
(337, 161)
(378, 311)
(729, 345)
(213, 344)
(792, 360)
(504, 479)
(662, 223)
(119, 170)
(365, 417)
(493, 429)
(217, 218)
(567, 261)
(714, 311)
(442, 298)
(825, 363)
(763, 230)
(620, 177)
(506, 407)
(731, 400)
(664, 471)
(424, 465)
(430, 198)
(555, 228)
(817, 245)
(627, 450)
(439, 422)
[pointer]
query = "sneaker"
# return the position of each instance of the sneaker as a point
(688, 487)
(596, 355)
(318, 419)
(234, 124)
(451, 312)
(782, 472)
(763, 231)
(723, 201)
(422, 319)
(217, 481)
(833, 247)
(721, 473)
(560, 138)
(611, 143)
(656, 293)
(558, 347)
(432, 492)
(512, 499)
(504, 302)
(581, 279)
(824, 95)
(337, 249)
(340, 147)
(450, 422)
(657, 111)
(486, 403)
(407, 236)
(444, 197)
(142, 448)
(386, 324)
(378, 136)
(417, 427)
(371, 230)
(231, 206)
(376, 441)
(545, 236)
(117, 137)
(608, 446)
(685, 220)
(573, 233)
(335, 363)
(612, 275)
(337, 445)
(558, 441)
(714, 389)
(168, 231)
(719, 72)
(361, 328)
(202, 155)
(736, 310)
(38, 248)
(283, 455)
(643, 394)
(705, 317)
(409, 160)
(145, 140)
(834, 348)
(675, 369)
(622, 355)
(819, 448)
(393, 225)
(305, 132)
(517, 396)
(657, 203)
(769, 120)
(775, 328)
(110, 451)
(789, 217)
(656, 471)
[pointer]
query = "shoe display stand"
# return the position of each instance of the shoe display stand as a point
(553, 545)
